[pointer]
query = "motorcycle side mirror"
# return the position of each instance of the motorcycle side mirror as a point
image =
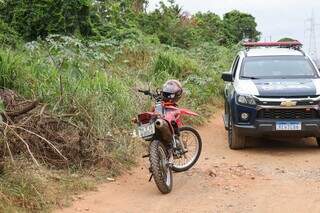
(227, 77)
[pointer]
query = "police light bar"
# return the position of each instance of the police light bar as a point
(290, 44)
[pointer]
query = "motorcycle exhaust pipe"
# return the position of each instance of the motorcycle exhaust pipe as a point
(160, 123)
(164, 129)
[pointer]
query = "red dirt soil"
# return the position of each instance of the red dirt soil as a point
(270, 176)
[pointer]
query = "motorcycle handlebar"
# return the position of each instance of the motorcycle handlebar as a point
(146, 92)
(149, 93)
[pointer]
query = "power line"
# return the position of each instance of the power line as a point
(311, 31)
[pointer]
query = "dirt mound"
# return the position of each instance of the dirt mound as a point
(28, 127)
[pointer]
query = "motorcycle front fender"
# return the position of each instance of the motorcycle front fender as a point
(188, 112)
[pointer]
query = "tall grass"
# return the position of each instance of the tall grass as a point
(174, 64)
(100, 80)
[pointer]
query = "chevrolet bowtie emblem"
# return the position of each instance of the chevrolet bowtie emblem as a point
(288, 103)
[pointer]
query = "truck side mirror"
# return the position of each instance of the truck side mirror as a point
(227, 77)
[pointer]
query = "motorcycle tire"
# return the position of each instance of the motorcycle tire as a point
(195, 157)
(161, 171)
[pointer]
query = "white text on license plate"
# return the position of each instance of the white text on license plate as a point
(288, 126)
(146, 130)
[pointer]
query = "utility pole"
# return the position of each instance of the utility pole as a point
(312, 30)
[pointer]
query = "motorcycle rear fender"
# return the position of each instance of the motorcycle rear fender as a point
(145, 117)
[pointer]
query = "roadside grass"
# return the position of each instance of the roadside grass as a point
(99, 80)
(26, 188)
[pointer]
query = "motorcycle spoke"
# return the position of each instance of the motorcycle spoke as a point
(190, 143)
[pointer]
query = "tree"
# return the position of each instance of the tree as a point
(239, 26)
(139, 5)
(209, 26)
(122, 19)
(165, 22)
(33, 18)
(8, 36)
(115, 18)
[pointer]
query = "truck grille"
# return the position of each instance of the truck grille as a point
(278, 103)
(288, 114)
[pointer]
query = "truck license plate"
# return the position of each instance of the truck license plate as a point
(146, 130)
(288, 126)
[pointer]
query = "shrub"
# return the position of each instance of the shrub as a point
(172, 64)
(8, 36)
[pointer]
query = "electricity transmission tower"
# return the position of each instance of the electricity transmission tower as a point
(311, 31)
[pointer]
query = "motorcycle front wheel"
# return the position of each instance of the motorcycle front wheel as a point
(161, 171)
(192, 144)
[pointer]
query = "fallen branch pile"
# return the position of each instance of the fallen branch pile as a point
(29, 128)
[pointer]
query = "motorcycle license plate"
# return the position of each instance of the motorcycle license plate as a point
(146, 130)
(288, 126)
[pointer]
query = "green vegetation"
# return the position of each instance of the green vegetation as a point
(25, 188)
(87, 59)
(240, 25)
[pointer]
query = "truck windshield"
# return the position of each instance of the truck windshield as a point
(276, 67)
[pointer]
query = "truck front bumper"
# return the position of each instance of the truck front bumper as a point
(310, 128)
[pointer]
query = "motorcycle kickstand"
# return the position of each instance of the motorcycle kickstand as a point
(151, 176)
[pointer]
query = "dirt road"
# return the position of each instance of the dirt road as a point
(271, 176)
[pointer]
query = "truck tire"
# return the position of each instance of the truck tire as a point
(236, 141)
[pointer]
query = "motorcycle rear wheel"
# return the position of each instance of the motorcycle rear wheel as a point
(188, 159)
(159, 162)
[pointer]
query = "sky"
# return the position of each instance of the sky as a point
(276, 18)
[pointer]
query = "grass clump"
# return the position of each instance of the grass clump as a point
(26, 188)
(175, 65)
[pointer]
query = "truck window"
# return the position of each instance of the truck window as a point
(278, 67)
(235, 66)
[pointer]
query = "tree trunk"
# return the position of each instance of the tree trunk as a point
(139, 5)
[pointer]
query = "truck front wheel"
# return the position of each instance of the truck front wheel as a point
(236, 141)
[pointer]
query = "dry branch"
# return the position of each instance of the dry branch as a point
(55, 140)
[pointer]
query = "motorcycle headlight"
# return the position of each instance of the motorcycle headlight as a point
(246, 99)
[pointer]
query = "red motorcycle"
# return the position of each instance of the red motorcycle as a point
(173, 146)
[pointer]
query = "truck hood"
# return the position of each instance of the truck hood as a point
(279, 87)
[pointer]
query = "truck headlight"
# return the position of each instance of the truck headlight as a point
(246, 99)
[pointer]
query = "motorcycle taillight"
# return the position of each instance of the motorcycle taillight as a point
(145, 118)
